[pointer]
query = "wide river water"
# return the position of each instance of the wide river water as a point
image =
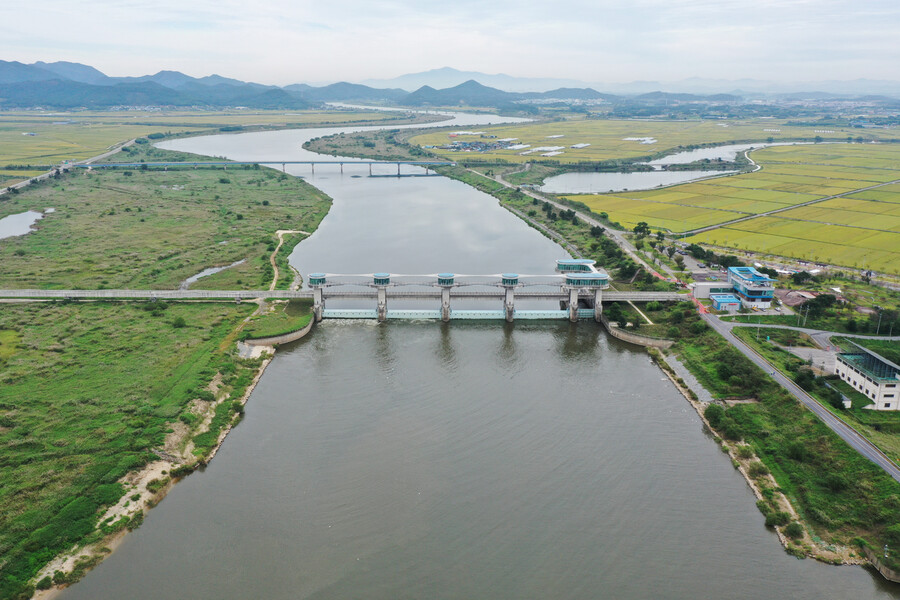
(461, 460)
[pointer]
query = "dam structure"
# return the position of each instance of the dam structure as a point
(578, 290)
(577, 286)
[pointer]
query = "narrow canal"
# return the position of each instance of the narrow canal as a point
(461, 460)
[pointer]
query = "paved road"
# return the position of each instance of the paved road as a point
(819, 336)
(847, 433)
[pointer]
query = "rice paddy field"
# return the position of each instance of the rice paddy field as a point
(623, 139)
(858, 228)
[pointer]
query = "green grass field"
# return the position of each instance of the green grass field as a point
(87, 391)
(154, 229)
(607, 137)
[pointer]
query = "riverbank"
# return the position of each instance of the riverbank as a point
(144, 489)
(763, 485)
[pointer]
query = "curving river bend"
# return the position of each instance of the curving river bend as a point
(466, 460)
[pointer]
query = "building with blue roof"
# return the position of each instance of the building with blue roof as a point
(754, 289)
(727, 302)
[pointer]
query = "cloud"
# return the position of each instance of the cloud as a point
(280, 41)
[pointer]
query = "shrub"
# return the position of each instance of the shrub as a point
(745, 452)
(757, 469)
(778, 519)
(794, 530)
(714, 414)
(178, 323)
(45, 583)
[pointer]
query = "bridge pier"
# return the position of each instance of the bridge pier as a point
(283, 169)
(312, 166)
(342, 168)
(318, 304)
(398, 169)
(445, 304)
(598, 304)
(370, 169)
(509, 282)
(573, 304)
(382, 304)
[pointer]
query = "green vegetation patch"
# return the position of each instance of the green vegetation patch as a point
(9, 344)
(839, 493)
(88, 394)
(154, 228)
(279, 318)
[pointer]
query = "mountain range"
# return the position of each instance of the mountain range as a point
(70, 85)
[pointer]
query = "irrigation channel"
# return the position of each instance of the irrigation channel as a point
(462, 460)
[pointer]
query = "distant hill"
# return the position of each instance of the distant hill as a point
(16, 72)
(571, 94)
(66, 84)
(447, 77)
(662, 97)
(72, 94)
(470, 93)
(347, 92)
(74, 72)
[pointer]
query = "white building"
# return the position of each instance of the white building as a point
(871, 375)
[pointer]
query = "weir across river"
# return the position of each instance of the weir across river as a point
(577, 289)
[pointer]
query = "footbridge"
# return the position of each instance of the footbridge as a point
(577, 291)
(426, 164)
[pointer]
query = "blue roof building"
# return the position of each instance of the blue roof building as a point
(752, 287)
(728, 302)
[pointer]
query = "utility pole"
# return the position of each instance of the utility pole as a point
(878, 328)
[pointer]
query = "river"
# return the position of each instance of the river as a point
(460, 460)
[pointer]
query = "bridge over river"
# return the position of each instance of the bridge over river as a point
(426, 164)
(579, 294)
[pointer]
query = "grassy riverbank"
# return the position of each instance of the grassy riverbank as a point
(88, 391)
(154, 228)
(839, 494)
(102, 405)
(279, 318)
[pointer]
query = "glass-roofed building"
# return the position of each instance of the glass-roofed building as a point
(871, 375)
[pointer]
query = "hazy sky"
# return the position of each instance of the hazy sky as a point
(282, 41)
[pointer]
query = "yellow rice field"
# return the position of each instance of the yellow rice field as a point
(859, 228)
(608, 139)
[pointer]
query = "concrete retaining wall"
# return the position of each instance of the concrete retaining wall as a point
(281, 339)
(635, 338)
(887, 573)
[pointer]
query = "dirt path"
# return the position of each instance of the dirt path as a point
(280, 233)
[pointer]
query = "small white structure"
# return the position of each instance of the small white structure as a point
(871, 375)
(702, 289)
